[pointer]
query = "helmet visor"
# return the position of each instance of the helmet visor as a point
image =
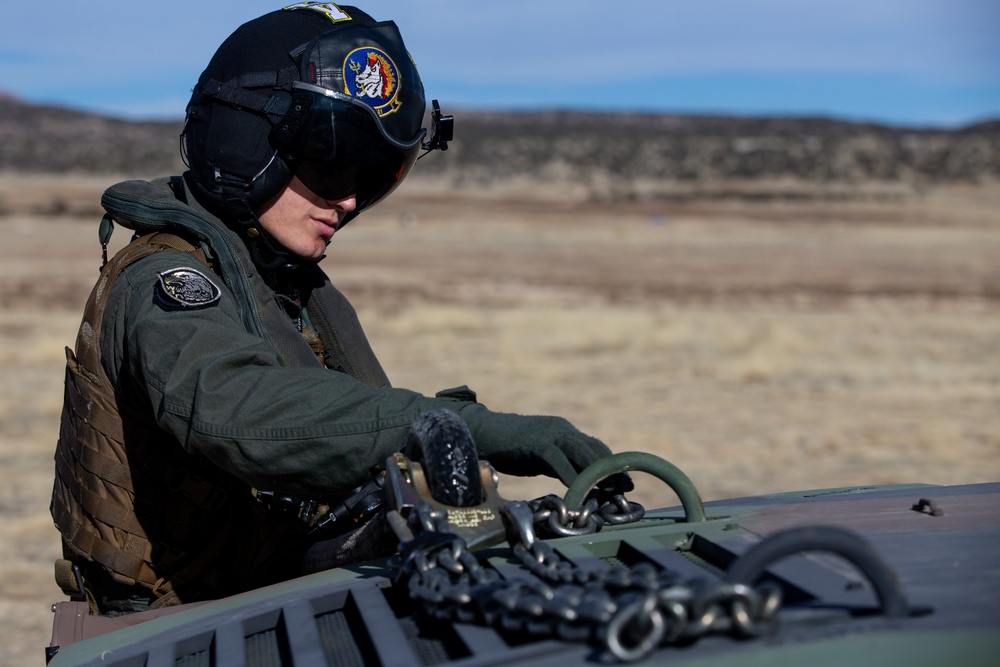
(343, 148)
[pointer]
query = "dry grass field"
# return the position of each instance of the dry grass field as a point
(758, 346)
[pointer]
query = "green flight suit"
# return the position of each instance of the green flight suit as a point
(229, 379)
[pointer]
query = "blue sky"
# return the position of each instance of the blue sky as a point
(911, 62)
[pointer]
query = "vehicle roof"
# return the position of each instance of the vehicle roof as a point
(941, 541)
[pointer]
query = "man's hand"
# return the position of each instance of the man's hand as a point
(530, 445)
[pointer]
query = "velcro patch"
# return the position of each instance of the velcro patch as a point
(188, 287)
(375, 81)
(327, 9)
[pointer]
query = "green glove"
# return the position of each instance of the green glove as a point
(529, 445)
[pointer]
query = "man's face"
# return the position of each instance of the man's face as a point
(302, 221)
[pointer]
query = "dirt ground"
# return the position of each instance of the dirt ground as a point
(758, 346)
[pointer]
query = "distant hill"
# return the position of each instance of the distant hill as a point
(53, 139)
(611, 155)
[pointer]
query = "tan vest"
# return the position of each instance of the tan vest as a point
(193, 530)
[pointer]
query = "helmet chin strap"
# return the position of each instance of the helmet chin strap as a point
(267, 254)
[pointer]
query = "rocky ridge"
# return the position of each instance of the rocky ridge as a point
(607, 156)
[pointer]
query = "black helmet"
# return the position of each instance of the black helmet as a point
(315, 90)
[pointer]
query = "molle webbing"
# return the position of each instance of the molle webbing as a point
(126, 496)
(93, 499)
(88, 342)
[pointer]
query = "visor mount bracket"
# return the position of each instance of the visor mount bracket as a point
(442, 129)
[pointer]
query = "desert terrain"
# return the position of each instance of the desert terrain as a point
(760, 345)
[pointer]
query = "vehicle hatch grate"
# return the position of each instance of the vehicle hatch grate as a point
(432, 643)
(339, 640)
(263, 649)
(198, 659)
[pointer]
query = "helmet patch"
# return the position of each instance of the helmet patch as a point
(327, 9)
(188, 288)
(372, 77)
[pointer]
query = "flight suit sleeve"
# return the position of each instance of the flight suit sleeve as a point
(226, 393)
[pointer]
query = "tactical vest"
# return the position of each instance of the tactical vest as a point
(127, 497)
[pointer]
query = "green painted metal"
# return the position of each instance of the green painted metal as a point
(954, 648)
(945, 635)
(671, 475)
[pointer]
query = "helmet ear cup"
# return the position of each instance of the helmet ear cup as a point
(285, 136)
(269, 183)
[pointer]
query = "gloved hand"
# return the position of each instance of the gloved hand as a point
(531, 445)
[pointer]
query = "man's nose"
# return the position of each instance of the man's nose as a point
(346, 205)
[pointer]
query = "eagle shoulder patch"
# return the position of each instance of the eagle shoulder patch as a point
(188, 288)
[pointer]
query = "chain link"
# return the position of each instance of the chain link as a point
(629, 611)
(555, 519)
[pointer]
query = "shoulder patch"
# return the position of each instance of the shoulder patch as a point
(188, 287)
(327, 9)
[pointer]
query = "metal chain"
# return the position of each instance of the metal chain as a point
(629, 611)
(554, 518)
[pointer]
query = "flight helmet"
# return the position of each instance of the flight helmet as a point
(318, 91)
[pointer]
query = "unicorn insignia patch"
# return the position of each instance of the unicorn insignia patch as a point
(372, 77)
